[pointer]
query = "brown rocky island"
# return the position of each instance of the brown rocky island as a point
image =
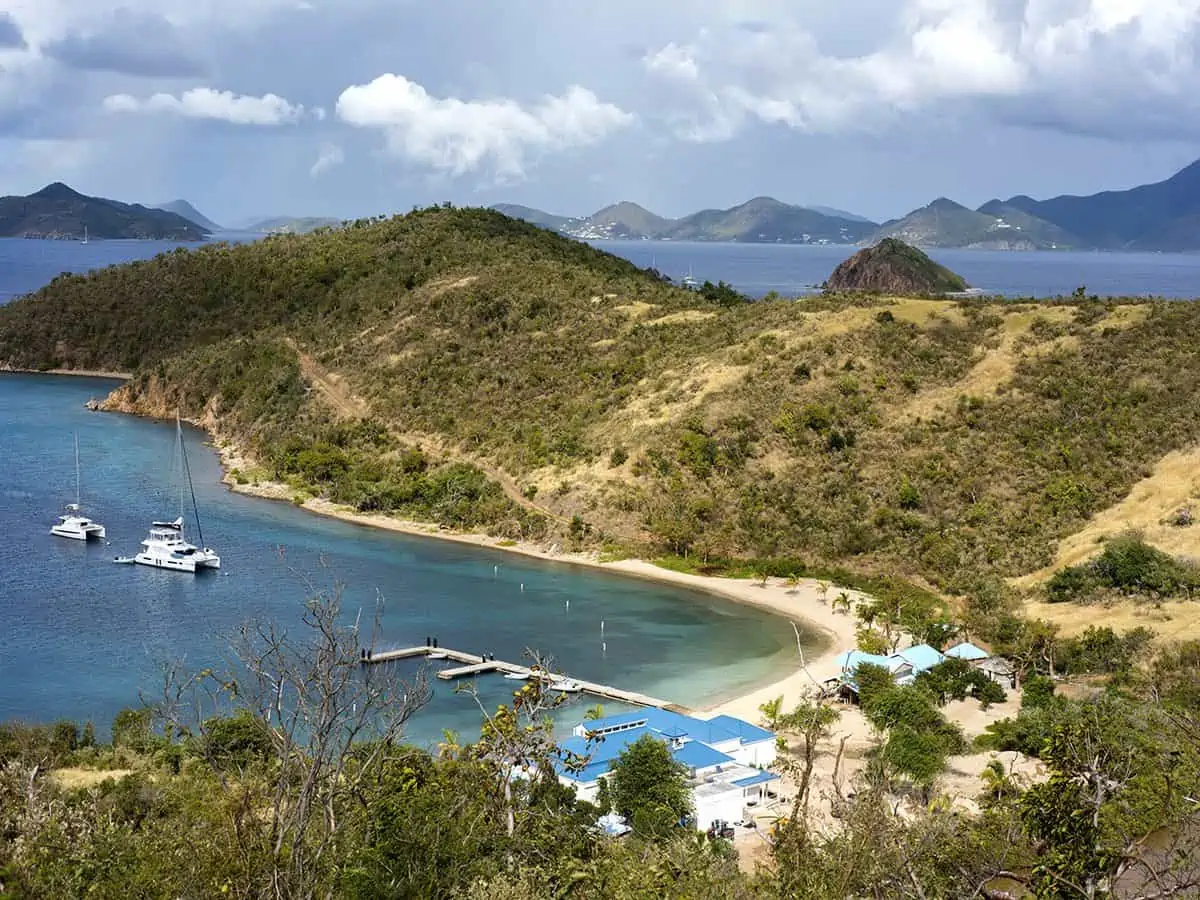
(893, 267)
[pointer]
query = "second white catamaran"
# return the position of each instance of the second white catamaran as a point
(166, 547)
(73, 523)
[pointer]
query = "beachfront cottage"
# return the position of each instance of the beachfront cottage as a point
(725, 758)
(904, 665)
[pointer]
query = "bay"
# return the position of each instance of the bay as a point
(81, 637)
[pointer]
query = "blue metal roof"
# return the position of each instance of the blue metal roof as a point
(742, 729)
(921, 657)
(968, 651)
(852, 659)
(757, 778)
(673, 724)
(696, 755)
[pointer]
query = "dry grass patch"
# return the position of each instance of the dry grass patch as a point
(921, 312)
(683, 317)
(639, 309)
(1173, 484)
(1021, 319)
(1170, 620)
(71, 779)
(1123, 317)
(681, 392)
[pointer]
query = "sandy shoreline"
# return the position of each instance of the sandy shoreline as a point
(79, 373)
(804, 604)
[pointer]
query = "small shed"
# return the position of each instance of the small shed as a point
(999, 670)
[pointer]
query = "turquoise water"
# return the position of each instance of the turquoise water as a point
(80, 637)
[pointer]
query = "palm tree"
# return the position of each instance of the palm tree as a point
(997, 783)
(823, 588)
(793, 583)
(593, 713)
(842, 601)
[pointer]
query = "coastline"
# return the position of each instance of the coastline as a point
(805, 604)
(77, 373)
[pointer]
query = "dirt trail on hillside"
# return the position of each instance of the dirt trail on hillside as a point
(347, 404)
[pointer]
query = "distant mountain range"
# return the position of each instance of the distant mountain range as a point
(761, 220)
(189, 212)
(58, 212)
(290, 224)
(1162, 216)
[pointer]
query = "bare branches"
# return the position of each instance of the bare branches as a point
(329, 722)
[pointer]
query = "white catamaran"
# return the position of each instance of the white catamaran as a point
(166, 547)
(73, 524)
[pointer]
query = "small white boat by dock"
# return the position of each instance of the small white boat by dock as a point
(72, 523)
(438, 654)
(566, 685)
(517, 676)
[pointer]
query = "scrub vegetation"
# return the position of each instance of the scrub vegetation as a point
(403, 365)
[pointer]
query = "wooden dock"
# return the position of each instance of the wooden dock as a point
(473, 664)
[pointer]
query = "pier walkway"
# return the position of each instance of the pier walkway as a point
(473, 664)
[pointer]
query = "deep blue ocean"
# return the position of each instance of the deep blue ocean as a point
(82, 638)
(792, 269)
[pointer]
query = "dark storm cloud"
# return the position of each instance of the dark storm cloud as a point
(11, 36)
(143, 44)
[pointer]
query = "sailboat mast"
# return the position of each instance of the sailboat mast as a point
(187, 471)
(77, 490)
(179, 450)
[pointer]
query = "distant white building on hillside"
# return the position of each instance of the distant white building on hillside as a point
(725, 757)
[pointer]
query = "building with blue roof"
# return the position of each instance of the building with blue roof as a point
(904, 665)
(921, 657)
(968, 651)
(725, 757)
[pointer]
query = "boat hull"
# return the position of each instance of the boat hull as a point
(78, 534)
(181, 564)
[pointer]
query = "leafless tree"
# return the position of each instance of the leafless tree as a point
(331, 720)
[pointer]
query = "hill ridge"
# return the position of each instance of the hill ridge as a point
(59, 211)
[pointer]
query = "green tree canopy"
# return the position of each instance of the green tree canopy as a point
(649, 787)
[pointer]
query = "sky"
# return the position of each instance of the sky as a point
(254, 108)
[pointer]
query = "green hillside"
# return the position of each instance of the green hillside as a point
(944, 223)
(939, 439)
(57, 211)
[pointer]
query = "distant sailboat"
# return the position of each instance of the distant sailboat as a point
(85, 235)
(73, 524)
(689, 281)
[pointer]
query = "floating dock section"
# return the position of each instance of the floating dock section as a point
(471, 664)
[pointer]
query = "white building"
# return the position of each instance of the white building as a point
(725, 757)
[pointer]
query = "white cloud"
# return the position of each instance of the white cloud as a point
(1097, 66)
(456, 136)
(205, 103)
(673, 61)
(329, 156)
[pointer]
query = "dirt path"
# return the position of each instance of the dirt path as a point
(347, 404)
